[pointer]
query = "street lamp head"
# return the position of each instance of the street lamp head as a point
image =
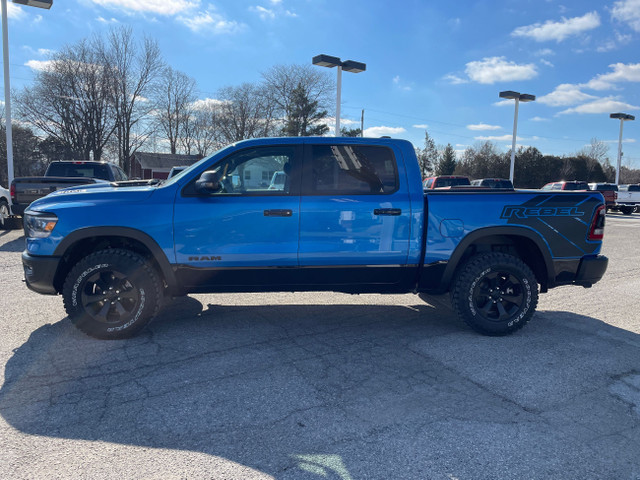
(523, 97)
(353, 67)
(510, 94)
(622, 116)
(35, 3)
(326, 61)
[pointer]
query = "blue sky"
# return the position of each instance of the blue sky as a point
(430, 64)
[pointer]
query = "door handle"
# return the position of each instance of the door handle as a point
(278, 213)
(388, 211)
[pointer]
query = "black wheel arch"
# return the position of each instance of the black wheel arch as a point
(522, 242)
(84, 241)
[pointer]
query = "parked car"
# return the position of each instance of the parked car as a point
(609, 191)
(567, 185)
(278, 180)
(628, 198)
(492, 183)
(441, 181)
(176, 170)
(354, 219)
(59, 175)
(5, 208)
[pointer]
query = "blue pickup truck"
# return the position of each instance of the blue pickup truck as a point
(350, 216)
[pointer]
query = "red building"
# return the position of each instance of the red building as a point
(157, 165)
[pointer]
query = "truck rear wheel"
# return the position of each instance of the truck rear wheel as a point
(112, 294)
(495, 293)
(627, 210)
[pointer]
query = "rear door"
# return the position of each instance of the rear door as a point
(355, 219)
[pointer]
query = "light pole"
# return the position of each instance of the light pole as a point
(347, 66)
(7, 87)
(518, 97)
(623, 117)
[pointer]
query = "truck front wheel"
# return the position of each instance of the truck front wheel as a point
(112, 294)
(495, 293)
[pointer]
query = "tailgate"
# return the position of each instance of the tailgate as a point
(29, 189)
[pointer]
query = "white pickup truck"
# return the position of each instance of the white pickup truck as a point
(5, 208)
(628, 198)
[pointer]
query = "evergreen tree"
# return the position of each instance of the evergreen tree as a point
(350, 132)
(304, 117)
(428, 156)
(447, 163)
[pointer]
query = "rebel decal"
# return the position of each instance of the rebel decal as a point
(562, 219)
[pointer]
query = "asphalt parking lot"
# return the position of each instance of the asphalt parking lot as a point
(326, 386)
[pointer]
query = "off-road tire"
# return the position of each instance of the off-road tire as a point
(112, 294)
(495, 293)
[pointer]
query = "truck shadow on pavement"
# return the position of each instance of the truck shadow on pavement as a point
(387, 391)
(16, 245)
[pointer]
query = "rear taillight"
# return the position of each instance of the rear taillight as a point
(13, 191)
(596, 230)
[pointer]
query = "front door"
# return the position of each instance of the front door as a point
(244, 234)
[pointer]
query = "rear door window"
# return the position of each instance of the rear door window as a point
(351, 170)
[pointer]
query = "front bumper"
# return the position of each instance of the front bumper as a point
(39, 273)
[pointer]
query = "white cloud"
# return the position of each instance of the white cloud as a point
(564, 95)
(46, 52)
(422, 126)
(621, 73)
(624, 140)
(539, 119)
(483, 126)
(264, 13)
(601, 105)
(503, 103)
(544, 52)
(14, 11)
(606, 46)
(559, 31)
(210, 21)
(498, 69)
(454, 79)
(160, 7)
(627, 11)
(107, 21)
(502, 138)
(207, 104)
(39, 65)
(382, 131)
(546, 62)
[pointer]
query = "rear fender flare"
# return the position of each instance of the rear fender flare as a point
(512, 232)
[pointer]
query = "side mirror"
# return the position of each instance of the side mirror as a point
(209, 182)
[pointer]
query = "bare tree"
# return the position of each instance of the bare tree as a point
(133, 67)
(175, 96)
(246, 112)
(71, 101)
(203, 129)
(282, 81)
(597, 152)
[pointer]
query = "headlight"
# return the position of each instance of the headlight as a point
(39, 225)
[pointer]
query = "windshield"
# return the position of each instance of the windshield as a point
(177, 176)
(576, 186)
(90, 170)
(451, 182)
(604, 187)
